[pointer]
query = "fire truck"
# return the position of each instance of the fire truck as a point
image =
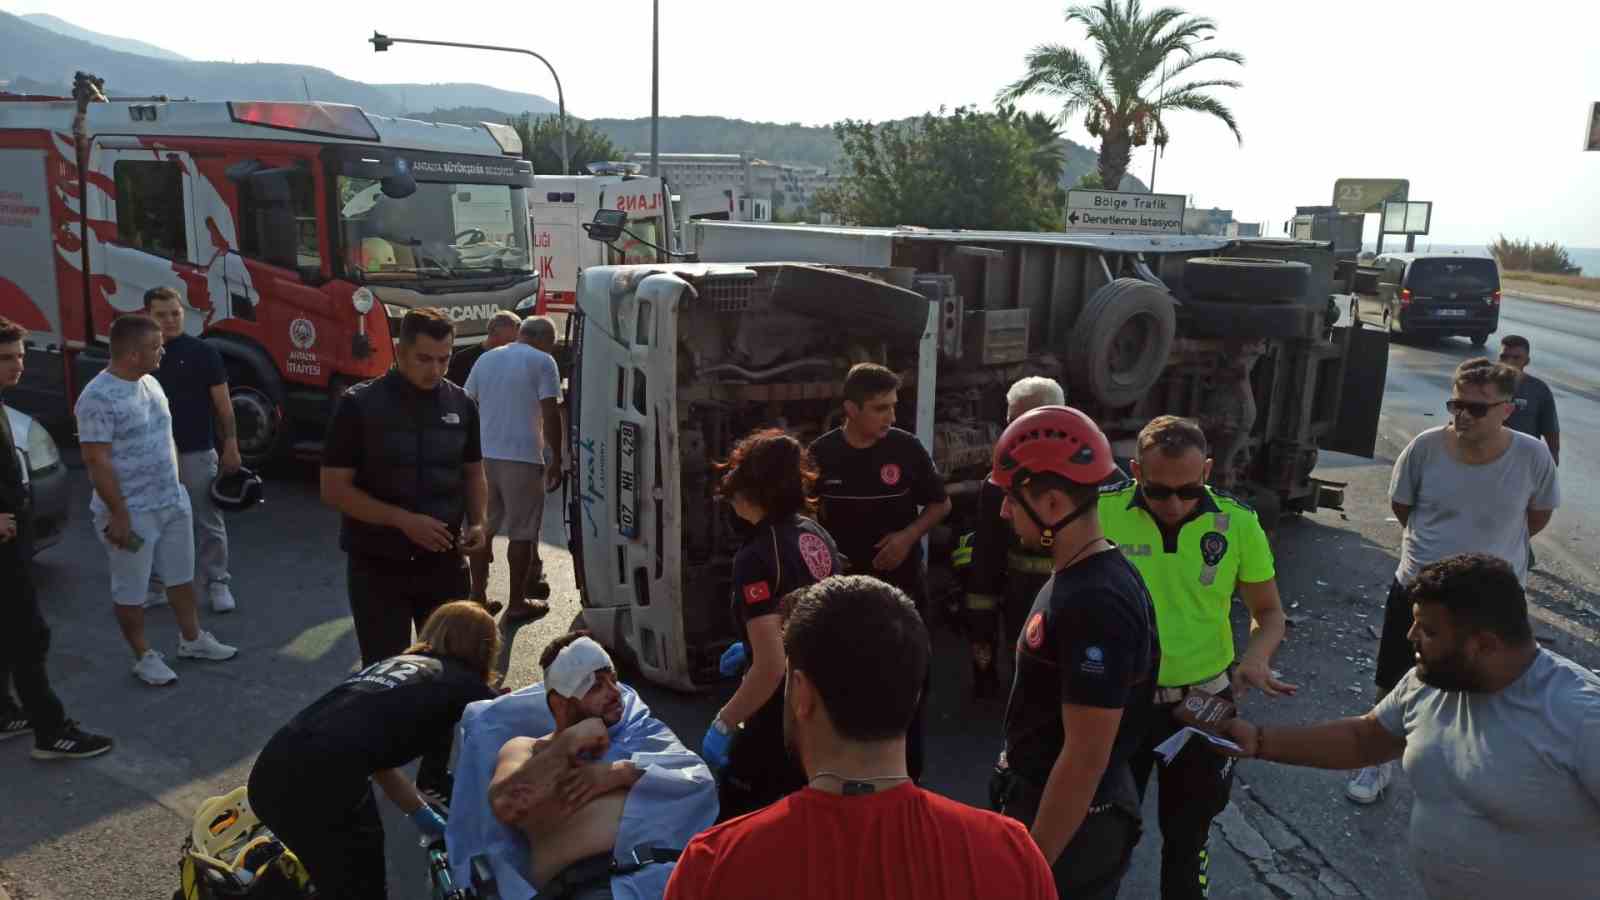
(297, 233)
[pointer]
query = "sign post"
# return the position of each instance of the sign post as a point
(1124, 212)
(1368, 195)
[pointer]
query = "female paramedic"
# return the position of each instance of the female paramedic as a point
(768, 479)
(310, 784)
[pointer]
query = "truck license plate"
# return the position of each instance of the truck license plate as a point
(1450, 312)
(628, 479)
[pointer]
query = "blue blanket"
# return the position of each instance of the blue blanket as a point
(674, 800)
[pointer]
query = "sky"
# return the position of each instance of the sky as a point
(1485, 114)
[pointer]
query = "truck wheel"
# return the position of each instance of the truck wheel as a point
(263, 433)
(1245, 280)
(1120, 343)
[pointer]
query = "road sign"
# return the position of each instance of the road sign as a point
(1367, 195)
(1121, 211)
(1407, 216)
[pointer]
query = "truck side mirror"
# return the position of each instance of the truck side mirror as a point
(607, 225)
(399, 186)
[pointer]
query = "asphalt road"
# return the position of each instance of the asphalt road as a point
(112, 827)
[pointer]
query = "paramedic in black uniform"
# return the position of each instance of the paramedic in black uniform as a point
(769, 479)
(874, 478)
(312, 784)
(1086, 660)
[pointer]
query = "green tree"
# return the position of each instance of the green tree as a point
(964, 169)
(1126, 91)
(1528, 256)
(541, 143)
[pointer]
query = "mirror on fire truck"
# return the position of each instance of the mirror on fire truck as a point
(400, 185)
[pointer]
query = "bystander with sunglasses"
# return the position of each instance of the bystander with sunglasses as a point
(1471, 486)
(1195, 546)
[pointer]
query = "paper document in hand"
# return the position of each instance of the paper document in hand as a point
(1170, 747)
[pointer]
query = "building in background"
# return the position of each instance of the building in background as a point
(1207, 221)
(744, 187)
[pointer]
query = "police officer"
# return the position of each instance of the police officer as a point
(1195, 547)
(403, 465)
(874, 479)
(769, 480)
(1002, 576)
(1086, 660)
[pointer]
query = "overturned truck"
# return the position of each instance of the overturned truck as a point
(673, 363)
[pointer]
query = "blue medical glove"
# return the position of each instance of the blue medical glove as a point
(427, 821)
(734, 659)
(714, 747)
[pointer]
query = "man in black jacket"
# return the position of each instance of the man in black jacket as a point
(24, 635)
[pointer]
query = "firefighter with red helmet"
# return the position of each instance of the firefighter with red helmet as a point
(1087, 659)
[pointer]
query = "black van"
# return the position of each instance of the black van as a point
(1437, 295)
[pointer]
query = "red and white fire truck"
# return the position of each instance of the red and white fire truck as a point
(297, 233)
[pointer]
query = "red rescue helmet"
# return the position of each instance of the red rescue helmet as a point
(1059, 440)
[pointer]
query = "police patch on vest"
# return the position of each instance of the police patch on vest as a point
(1213, 547)
(814, 550)
(1034, 633)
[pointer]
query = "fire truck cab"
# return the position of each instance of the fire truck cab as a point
(297, 234)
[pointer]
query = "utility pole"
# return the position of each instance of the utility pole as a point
(655, 88)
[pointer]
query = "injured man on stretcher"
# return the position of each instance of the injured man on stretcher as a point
(571, 789)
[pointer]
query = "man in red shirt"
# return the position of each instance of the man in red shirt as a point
(857, 652)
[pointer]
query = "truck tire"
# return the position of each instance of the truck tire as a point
(835, 296)
(1225, 278)
(1118, 348)
(1251, 321)
(262, 429)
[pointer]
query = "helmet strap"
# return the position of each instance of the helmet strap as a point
(1047, 533)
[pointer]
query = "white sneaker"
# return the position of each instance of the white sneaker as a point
(152, 669)
(155, 597)
(206, 646)
(221, 598)
(1368, 785)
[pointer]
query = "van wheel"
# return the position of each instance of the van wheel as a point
(1120, 343)
(263, 433)
(1479, 339)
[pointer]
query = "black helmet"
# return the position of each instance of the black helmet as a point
(236, 490)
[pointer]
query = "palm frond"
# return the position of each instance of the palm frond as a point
(1200, 103)
(1057, 71)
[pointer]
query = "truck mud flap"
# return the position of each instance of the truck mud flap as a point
(1366, 370)
(855, 300)
(1250, 320)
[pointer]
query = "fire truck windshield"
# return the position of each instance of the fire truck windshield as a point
(444, 230)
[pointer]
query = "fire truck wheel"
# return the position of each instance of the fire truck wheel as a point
(263, 434)
(1119, 345)
(1245, 280)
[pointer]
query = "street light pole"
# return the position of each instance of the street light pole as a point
(381, 42)
(655, 88)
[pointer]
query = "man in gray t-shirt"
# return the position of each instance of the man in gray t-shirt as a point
(1535, 412)
(1472, 485)
(1500, 739)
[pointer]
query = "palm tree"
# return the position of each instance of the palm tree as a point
(1125, 93)
(1046, 152)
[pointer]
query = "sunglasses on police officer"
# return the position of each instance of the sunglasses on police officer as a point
(1166, 492)
(1472, 407)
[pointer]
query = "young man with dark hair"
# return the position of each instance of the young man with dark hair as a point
(1086, 661)
(1471, 485)
(403, 466)
(24, 634)
(874, 479)
(1195, 547)
(857, 653)
(1500, 739)
(141, 512)
(1535, 414)
(196, 385)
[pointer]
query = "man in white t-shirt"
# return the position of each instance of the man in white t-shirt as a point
(141, 511)
(516, 388)
(1472, 485)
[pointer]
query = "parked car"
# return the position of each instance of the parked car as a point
(1430, 294)
(46, 475)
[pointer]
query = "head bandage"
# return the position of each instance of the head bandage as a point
(572, 673)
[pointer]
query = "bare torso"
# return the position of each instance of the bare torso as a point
(525, 796)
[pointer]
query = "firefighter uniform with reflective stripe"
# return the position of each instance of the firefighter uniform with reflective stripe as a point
(1001, 578)
(1192, 571)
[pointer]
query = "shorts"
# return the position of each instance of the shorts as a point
(168, 551)
(516, 498)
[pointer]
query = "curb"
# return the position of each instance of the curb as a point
(1573, 303)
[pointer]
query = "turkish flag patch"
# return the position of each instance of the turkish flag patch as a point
(757, 592)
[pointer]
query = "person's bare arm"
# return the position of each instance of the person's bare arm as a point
(1401, 512)
(1090, 732)
(340, 492)
(1553, 441)
(550, 419)
(1538, 519)
(1267, 627)
(1351, 743)
(475, 538)
(400, 790)
(895, 546)
(586, 781)
(528, 771)
(765, 676)
(222, 404)
(97, 459)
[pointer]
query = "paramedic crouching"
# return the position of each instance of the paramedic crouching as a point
(311, 784)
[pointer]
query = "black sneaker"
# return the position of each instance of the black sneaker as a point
(13, 723)
(71, 742)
